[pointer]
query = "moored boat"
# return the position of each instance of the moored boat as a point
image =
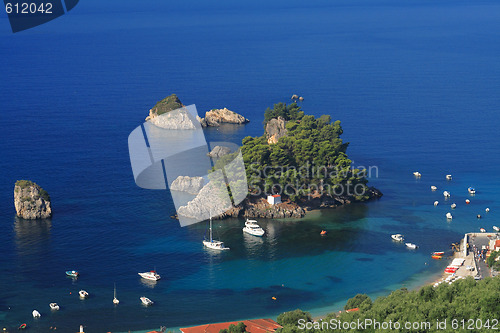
(433, 188)
(115, 300)
(54, 306)
(146, 301)
(438, 253)
(323, 232)
(446, 194)
(453, 206)
(36, 314)
(151, 275)
(22, 326)
(212, 243)
(497, 229)
(467, 201)
(471, 190)
(72, 273)
(449, 216)
(398, 237)
(252, 228)
(482, 230)
(436, 257)
(448, 177)
(411, 246)
(417, 174)
(436, 203)
(83, 294)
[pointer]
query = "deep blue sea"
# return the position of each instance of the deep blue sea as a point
(415, 84)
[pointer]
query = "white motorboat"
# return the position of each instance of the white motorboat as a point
(471, 190)
(453, 206)
(36, 314)
(417, 174)
(214, 244)
(411, 246)
(398, 237)
(151, 275)
(433, 188)
(497, 229)
(115, 300)
(146, 301)
(487, 210)
(448, 177)
(83, 294)
(252, 228)
(446, 194)
(482, 230)
(449, 216)
(54, 306)
(436, 203)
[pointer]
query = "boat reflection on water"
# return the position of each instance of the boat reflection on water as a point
(148, 283)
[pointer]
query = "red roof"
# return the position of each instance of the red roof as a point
(352, 310)
(497, 243)
(276, 196)
(253, 326)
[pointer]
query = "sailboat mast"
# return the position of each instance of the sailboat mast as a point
(211, 240)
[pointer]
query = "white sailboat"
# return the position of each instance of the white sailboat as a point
(115, 300)
(214, 244)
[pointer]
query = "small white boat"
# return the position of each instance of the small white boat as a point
(487, 210)
(453, 206)
(433, 188)
(54, 306)
(252, 228)
(212, 243)
(398, 237)
(446, 194)
(151, 275)
(411, 246)
(471, 190)
(482, 230)
(146, 301)
(417, 174)
(83, 294)
(497, 229)
(448, 177)
(36, 314)
(478, 216)
(436, 203)
(449, 216)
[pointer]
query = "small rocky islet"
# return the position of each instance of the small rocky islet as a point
(31, 201)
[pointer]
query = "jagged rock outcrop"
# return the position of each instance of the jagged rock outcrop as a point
(31, 201)
(262, 209)
(216, 117)
(275, 129)
(187, 184)
(219, 151)
(209, 196)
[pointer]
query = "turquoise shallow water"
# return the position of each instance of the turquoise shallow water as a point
(413, 84)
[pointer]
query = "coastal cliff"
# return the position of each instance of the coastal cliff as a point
(31, 201)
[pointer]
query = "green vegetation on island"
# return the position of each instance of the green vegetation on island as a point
(301, 156)
(466, 306)
(23, 184)
(167, 104)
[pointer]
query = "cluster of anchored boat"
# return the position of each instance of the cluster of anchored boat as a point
(251, 227)
(447, 195)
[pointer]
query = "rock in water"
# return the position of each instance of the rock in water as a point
(187, 184)
(162, 116)
(219, 151)
(275, 129)
(31, 201)
(216, 117)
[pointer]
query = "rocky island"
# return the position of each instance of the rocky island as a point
(300, 158)
(31, 201)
